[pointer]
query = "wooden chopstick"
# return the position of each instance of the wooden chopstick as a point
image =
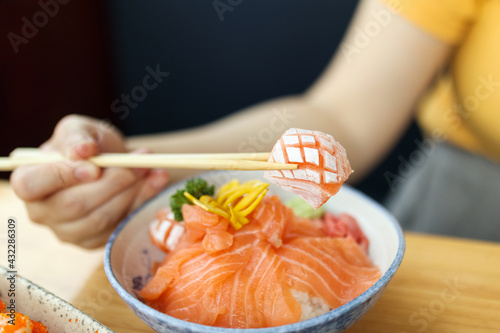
(230, 161)
(35, 152)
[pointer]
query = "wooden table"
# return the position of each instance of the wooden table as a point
(443, 285)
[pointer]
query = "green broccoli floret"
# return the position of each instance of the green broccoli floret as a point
(197, 187)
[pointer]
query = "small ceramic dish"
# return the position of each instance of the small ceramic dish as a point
(129, 256)
(41, 305)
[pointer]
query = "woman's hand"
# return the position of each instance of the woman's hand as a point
(79, 201)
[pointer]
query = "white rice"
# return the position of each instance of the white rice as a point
(311, 306)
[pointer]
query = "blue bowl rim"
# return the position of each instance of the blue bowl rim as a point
(306, 324)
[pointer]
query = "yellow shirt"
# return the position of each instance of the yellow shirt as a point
(464, 105)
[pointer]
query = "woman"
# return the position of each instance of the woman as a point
(389, 58)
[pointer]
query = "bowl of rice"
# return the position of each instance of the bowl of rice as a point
(130, 257)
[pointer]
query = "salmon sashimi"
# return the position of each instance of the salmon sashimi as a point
(248, 278)
(210, 228)
(323, 165)
(335, 269)
(271, 215)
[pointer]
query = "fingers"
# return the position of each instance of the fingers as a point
(86, 214)
(93, 229)
(75, 136)
(80, 137)
(81, 202)
(78, 201)
(34, 182)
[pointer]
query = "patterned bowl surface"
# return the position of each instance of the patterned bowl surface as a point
(129, 256)
(39, 304)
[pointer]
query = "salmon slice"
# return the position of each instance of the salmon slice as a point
(323, 165)
(335, 269)
(271, 215)
(169, 271)
(217, 240)
(241, 288)
(247, 278)
(303, 227)
(257, 294)
(198, 221)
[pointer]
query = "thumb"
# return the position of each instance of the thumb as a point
(80, 137)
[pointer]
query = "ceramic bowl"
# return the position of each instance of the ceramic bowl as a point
(41, 305)
(129, 256)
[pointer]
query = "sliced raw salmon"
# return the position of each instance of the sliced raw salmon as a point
(335, 269)
(323, 165)
(216, 240)
(247, 278)
(198, 221)
(272, 216)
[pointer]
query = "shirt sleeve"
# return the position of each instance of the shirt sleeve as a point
(447, 20)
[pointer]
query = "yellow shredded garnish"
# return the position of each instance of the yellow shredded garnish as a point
(234, 201)
(209, 204)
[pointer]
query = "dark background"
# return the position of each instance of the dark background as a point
(91, 52)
